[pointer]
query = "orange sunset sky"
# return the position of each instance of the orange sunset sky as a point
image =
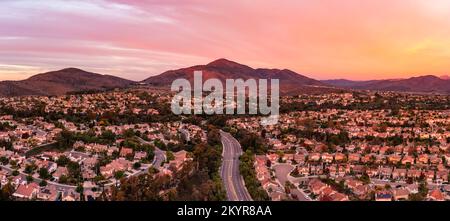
(323, 39)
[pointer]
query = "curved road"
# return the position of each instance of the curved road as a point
(282, 172)
(229, 171)
(160, 158)
(59, 186)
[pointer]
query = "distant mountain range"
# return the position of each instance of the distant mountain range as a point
(445, 77)
(291, 83)
(61, 82)
(425, 84)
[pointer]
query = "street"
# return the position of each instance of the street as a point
(229, 171)
(159, 159)
(160, 156)
(282, 172)
(59, 186)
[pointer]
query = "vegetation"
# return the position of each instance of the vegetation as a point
(251, 182)
(198, 180)
(6, 192)
(251, 141)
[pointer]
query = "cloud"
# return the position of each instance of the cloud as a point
(323, 38)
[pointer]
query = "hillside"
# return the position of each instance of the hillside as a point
(61, 82)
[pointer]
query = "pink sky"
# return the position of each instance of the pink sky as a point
(323, 39)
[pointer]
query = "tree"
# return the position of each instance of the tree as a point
(365, 178)
(62, 161)
(170, 156)
(137, 165)
(6, 192)
(29, 169)
(79, 188)
(218, 120)
(295, 173)
(4, 160)
(108, 136)
(251, 141)
(214, 137)
(119, 174)
(43, 183)
(249, 175)
(63, 179)
(6, 144)
(74, 169)
(208, 157)
(423, 189)
(65, 140)
(44, 174)
(129, 133)
(158, 143)
(416, 197)
(29, 179)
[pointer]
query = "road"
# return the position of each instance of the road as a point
(282, 172)
(229, 171)
(160, 156)
(59, 186)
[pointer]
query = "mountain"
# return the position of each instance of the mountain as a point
(61, 82)
(426, 84)
(445, 77)
(222, 69)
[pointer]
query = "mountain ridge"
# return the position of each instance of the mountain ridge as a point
(223, 69)
(423, 84)
(61, 82)
(291, 83)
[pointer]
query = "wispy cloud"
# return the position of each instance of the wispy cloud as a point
(136, 39)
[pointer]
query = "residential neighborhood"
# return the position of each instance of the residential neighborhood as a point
(337, 148)
(344, 154)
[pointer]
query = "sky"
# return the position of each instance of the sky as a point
(135, 39)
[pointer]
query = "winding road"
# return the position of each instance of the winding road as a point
(159, 159)
(282, 172)
(59, 186)
(229, 171)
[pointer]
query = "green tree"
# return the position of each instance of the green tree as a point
(137, 165)
(43, 183)
(63, 179)
(4, 160)
(79, 188)
(170, 156)
(62, 161)
(6, 192)
(29, 179)
(29, 169)
(65, 140)
(119, 174)
(214, 137)
(74, 170)
(44, 174)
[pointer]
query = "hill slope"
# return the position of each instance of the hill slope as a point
(61, 82)
(428, 83)
(222, 69)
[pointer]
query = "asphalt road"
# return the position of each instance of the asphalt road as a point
(59, 186)
(229, 171)
(160, 156)
(282, 172)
